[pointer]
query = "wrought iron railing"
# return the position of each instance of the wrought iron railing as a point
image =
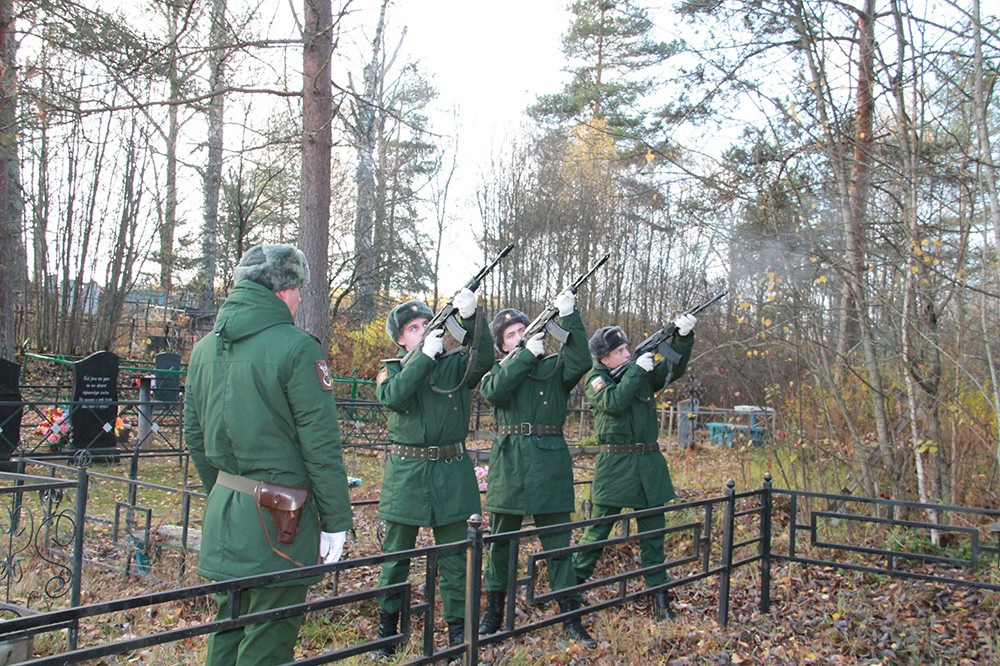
(709, 539)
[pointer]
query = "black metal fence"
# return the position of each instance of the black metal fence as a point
(708, 539)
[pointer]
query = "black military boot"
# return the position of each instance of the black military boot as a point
(661, 606)
(493, 617)
(573, 626)
(388, 625)
(456, 633)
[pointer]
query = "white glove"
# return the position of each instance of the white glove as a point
(433, 344)
(685, 324)
(565, 303)
(535, 345)
(645, 361)
(465, 301)
(331, 546)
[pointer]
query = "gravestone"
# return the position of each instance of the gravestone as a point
(168, 384)
(10, 415)
(686, 421)
(95, 383)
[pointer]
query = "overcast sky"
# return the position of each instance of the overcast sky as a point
(489, 60)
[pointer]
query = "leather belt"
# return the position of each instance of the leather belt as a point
(629, 448)
(242, 484)
(428, 452)
(529, 429)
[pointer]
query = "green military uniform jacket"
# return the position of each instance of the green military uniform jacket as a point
(259, 403)
(625, 413)
(417, 491)
(531, 474)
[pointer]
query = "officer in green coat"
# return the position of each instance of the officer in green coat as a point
(531, 470)
(630, 471)
(259, 406)
(429, 479)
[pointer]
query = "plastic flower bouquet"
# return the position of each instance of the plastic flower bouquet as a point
(482, 472)
(54, 429)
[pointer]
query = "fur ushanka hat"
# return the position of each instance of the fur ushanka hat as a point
(505, 318)
(606, 340)
(275, 267)
(403, 314)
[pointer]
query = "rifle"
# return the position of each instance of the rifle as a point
(446, 317)
(657, 342)
(546, 320)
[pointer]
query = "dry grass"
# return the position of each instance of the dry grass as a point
(821, 616)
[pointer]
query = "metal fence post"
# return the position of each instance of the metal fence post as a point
(145, 413)
(80, 515)
(473, 588)
(18, 497)
(185, 527)
(765, 546)
(727, 552)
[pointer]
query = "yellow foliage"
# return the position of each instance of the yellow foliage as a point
(361, 350)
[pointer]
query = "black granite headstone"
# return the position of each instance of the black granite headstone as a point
(95, 383)
(168, 384)
(10, 414)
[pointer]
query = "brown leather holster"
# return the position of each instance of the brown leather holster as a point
(285, 506)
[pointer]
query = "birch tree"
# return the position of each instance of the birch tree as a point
(213, 167)
(13, 267)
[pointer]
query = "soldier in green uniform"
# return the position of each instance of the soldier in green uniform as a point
(630, 471)
(530, 466)
(429, 480)
(259, 406)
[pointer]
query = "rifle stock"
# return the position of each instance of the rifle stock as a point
(447, 318)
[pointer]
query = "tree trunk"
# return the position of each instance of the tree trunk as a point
(13, 262)
(860, 179)
(364, 222)
(987, 177)
(317, 115)
(213, 170)
(173, 132)
(854, 273)
(123, 254)
(42, 296)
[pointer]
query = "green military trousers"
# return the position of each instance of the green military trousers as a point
(650, 549)
(263, 644)
(452, 566)
(561, 573)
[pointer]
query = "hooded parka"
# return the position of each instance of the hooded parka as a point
(532, 474)
(418, 491)
(259, 403)
(625, 413)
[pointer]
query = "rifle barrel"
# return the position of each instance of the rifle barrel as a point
(586, 276)
(698, 308)
(473, 284)
(439, 319)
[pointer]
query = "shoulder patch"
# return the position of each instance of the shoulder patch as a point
(597, 383)
(383, 374)
(324, 375)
